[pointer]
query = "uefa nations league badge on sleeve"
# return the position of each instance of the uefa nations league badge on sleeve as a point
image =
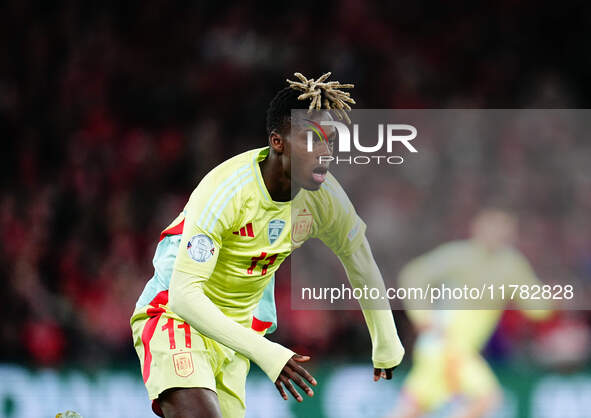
(200, 248)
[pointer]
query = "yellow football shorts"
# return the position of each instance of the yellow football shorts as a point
(174, 355)
(441, 372)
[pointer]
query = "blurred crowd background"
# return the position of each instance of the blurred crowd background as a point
(113, 111)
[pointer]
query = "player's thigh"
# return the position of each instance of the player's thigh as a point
(189, 403)
(231, 387)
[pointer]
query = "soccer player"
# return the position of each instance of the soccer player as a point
(447, 365)
(194, 327)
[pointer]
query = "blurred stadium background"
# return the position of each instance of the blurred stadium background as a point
(112, 112)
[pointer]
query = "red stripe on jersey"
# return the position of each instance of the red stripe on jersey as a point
(249, 229)
(154, 313)
(160, 299)
(242, 232)
(173, 230)
(259, 325)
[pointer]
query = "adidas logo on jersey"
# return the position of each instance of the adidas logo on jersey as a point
(245, 231)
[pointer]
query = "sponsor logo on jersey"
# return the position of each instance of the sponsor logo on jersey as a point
(200, 248)
(245, 231)
(275, 229)
(183, 364)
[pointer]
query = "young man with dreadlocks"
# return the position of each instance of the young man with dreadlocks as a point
(201, 318)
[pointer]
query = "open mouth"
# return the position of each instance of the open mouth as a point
(319, 174)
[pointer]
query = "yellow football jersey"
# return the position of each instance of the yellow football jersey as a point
(468, 263)
(235, 236)
(446, 359)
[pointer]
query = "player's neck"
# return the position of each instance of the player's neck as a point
(277, 180)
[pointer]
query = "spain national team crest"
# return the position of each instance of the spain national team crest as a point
(183, 364)
(275, 229)
(302, 224)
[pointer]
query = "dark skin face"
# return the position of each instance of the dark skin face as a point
(290, 166)
(280, 178)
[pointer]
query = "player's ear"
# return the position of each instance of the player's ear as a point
(277, 142)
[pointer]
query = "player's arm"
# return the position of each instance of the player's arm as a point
(188, 300)
(523, 275)
(387, 350)
(205, 226)
(426, 270)
(341, 229)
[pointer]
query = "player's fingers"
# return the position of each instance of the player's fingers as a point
(290, 388)
(280, 389)
(376, 374)
(389, 374)
(303, 372)
(293, 375)
(383, 375)
(300, 359)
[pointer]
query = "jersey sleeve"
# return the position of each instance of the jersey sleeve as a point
(338, 226)
(209, 215)
(362, 271)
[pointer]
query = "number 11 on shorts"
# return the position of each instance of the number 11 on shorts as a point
(170, 327)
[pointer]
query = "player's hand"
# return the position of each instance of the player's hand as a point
(293, 371)
(382, 373)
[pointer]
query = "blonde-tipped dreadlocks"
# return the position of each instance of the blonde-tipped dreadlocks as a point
(334, 98)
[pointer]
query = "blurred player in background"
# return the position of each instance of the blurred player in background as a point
(195, 328)
(447, 366)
